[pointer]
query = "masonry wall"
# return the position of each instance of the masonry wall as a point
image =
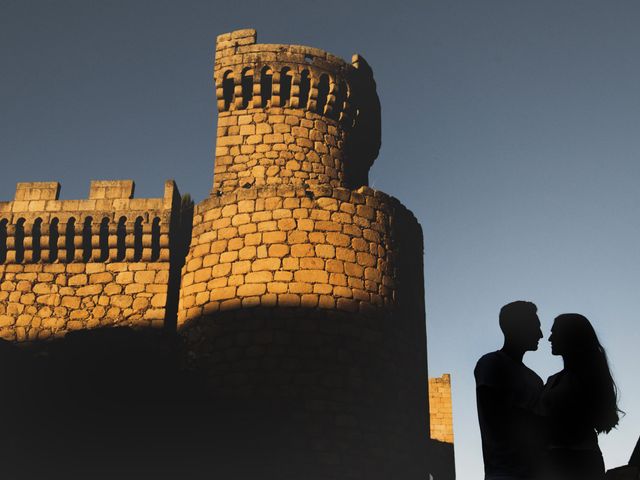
(81, 264)
(302, 294)
(324, 247)
(308, 305)
(440, 408)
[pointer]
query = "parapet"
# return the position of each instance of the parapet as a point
(111, 225)
(101, 189)
(27, 191)
(250, 75)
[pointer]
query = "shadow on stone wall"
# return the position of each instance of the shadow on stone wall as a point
(118, 403)
(114, 403)
(441, 460)
(346, 390)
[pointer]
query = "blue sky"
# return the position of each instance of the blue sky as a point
(510, 128)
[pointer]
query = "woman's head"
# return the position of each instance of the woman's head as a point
(573, 337)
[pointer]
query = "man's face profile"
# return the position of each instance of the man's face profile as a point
(522, 329)
(531, 332)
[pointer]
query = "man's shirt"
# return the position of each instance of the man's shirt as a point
(511, 433)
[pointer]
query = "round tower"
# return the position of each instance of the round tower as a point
(302, 293)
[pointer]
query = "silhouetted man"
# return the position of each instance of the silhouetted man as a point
(506, 393)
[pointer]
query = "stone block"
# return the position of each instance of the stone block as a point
(134, 288)
(311, 276)
(104, 277)
(302, 250)
(159, 300)
(251, 289)
(75, 268)
(259, 277)
(288, 300)
(223, 293)
(347, 304)
(112, 289)
(28, 299)
(145, 277)
(274, 237)
(94, 289)
(79, 315)
(51, 299)
(219, 270)
(325, 251)
(122, 301)
(44, 288)
(278, 249)
(154, 314)
(266, 264)
(140, 303)
(124, 278)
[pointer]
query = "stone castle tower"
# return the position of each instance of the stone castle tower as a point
(299, 296)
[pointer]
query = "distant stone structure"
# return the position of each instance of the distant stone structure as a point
(440, 408)
(294, 290)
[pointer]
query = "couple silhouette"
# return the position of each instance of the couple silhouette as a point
(533, 430)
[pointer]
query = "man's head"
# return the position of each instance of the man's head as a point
(520, 324)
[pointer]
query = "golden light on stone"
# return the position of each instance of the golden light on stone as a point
(290, 246)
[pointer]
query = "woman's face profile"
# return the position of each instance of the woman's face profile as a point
(556, 340)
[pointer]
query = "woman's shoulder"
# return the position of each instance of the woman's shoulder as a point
(556, 375)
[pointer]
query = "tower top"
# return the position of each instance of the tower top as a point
(252, 79)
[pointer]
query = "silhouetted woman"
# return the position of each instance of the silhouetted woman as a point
(579, 402)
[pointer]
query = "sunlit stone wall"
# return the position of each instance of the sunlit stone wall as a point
(81, 264)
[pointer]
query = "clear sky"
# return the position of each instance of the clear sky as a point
(511, 128)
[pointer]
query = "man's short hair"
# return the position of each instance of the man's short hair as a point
(512, 313)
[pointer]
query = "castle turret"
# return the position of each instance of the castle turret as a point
(303, 287)
(292, 115)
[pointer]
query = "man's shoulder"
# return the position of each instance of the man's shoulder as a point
(487, 366)
(490, 359)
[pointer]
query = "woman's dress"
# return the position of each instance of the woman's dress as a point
(568, 403)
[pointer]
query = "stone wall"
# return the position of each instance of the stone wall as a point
(320, 247)
(80, 264)
(312, 300)
(440, 408)
(302, 293)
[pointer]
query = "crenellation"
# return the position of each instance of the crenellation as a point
(68, 245)
(111, 189)
(29, 191)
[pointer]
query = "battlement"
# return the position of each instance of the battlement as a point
(250, 75)
(111, 225)
(297, 113)
(26, 191)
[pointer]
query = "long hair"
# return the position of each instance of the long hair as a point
(585, 356)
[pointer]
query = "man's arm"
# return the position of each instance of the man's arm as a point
(493, 405)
